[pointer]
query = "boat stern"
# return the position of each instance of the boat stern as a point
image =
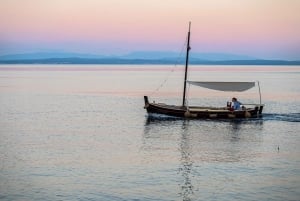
(258, 109)
(261, 107)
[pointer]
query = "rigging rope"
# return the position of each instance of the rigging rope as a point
(172, 70)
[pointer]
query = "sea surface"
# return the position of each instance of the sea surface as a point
(80, 132)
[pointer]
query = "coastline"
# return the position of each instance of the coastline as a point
(147, 61)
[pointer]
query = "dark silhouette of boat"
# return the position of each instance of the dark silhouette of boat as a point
(186, 111)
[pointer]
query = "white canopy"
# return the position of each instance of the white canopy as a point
(224, 86)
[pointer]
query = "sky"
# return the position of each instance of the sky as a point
(267, 29)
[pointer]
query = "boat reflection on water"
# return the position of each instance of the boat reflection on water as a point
(186, 164)
(200, 146)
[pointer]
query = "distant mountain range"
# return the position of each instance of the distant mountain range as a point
(141, 57)
(155, 55)
(47, 55)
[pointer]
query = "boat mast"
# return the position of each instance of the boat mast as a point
(186, 64)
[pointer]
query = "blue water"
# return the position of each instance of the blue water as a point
(84, 135)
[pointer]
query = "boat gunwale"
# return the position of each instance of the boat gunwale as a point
(197, 109)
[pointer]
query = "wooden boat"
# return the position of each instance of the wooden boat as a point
(186, 111)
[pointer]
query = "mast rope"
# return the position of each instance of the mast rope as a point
(172, 70)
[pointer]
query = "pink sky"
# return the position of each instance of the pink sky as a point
(260, 28)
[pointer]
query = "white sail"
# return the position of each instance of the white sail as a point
(224, 86)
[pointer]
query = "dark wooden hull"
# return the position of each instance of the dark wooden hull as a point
(202, 112)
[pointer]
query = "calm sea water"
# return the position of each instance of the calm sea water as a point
(75, 132)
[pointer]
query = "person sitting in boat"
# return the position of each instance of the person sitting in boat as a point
(236, 105)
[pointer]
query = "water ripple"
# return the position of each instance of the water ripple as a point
(289, 117)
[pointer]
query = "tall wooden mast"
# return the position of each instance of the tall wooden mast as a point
(186, 64)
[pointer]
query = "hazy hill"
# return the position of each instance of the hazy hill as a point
(193, 55)
(141, 57)
(48, 55)
(149, 55)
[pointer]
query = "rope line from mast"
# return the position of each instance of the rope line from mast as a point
(172, 70)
